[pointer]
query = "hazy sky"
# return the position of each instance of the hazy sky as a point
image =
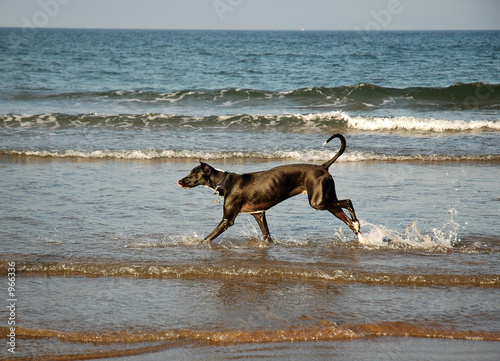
(254, 14)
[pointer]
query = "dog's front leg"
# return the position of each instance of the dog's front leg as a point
(223, 225)
(230, 213)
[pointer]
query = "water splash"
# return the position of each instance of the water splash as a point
(438, 238)
(162, 241)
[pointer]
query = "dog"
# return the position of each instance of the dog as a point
(255, 193)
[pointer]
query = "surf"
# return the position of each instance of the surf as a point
(322, 330)
(319, 122)
(284, 155)
(280, 271)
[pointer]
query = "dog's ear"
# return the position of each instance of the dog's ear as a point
(206, 168)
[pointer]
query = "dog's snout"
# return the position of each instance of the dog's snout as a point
(187, 183)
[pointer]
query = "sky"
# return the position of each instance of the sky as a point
(254, 14)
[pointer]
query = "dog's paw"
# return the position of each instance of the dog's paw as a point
(356, 226)
(361, 240)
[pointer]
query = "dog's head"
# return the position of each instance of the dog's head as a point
(199, 176)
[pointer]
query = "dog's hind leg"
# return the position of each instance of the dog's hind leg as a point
(352, 223)
(261, 221)
(347, 204)
(339, 213)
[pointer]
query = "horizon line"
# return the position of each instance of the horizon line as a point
(235, 29)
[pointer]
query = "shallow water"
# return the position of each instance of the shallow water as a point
(118, 263)
(109, 254)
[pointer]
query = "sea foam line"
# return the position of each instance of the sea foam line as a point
(239, 271)
(323, 330)
(295, 155)
(420, 124)
(319, 122)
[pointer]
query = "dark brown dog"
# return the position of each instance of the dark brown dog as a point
(255, 193)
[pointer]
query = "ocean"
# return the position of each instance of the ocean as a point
(102, 253)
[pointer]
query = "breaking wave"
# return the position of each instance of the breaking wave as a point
(295, 155)
(278, 272)
(323, 330)
(311, 122)
(130, 342)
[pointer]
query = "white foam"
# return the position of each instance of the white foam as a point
(420, 124)
(313, 156)
(310, 122)
(444, 237)
(160, 241)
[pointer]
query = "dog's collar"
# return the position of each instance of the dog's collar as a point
(222, 183)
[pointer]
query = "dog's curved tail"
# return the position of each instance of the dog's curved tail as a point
(326, 165)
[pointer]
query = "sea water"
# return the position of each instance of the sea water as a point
(97, 126)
